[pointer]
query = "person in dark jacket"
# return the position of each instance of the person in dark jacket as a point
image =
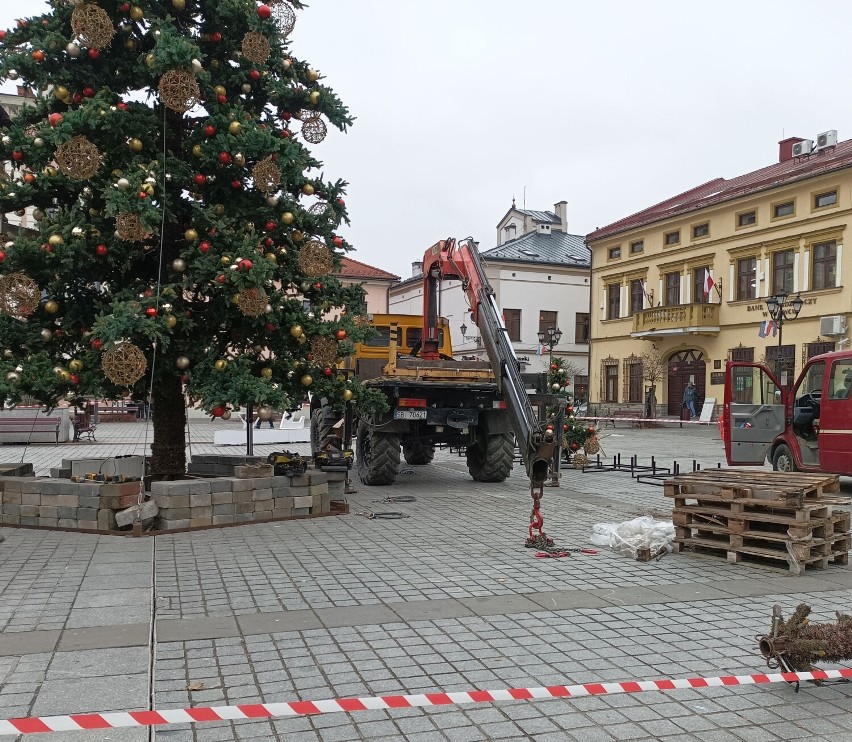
(689, 395)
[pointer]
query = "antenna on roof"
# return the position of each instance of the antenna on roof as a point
(525, 198)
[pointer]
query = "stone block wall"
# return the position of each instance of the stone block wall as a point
(201, 503)
(215, 465)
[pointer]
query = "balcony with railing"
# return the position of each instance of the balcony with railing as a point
(681, 319)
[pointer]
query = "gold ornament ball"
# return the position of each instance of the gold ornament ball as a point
(219, 90)
(196, 150)
(136, 13)
(265, 412)
(226, 415)
(308, 189)
(51, 307)
(55, 239)
(135, 145)
(182, 362)
(46, 335)
(235, 127)
(302, 339)
(171, 321)
(178, 265)
(178, 4)
(190, 235)
(313, 75)
(219, 209)
(307, 380)
(297, 235)
(347, 394)
(266, 372)
(57, 370)
(147, 189)
(75, 365)
(61, 92)
(315, 96)
(239, 157)
(296, 331)
(271, 257)
(64, 375)
(220, 365)
(225, 260)
(13, 377)
(150, 59)
(287, 217)
(130, 44)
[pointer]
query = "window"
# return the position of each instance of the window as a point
(829, 198)
(672, 238)
(613, 295)
(699, 276)
(581, 327)
(637, 294)
(512, 320)
(633, 379)
(637, 247)
(700, 230)
(614, 252)
(609, 380)
(782, 271)
(824, 265)
(742, 377)
(782, 363)
(672, 284)
(840, 384)
(779, 211)
(747, 218)
(546, 320)
(382, 340)
(581, 389)
(746, 278)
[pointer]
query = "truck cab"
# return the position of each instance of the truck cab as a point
(805, 427)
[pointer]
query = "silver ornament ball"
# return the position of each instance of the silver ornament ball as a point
(182, 362)
(38, 142)
(123, 184)
(179, 265)
(73, 50)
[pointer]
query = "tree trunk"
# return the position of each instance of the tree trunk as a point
(168, 451)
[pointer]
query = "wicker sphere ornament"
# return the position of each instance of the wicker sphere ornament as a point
(314, 129)
(266, 176)
(592, 445)
(283, 15)
(252, 302)
(324, 351)
(92, 25)
(179, 90)
(78, 158)
(580, 461)
(129, 227)
(255, 47)
(315, 259)
(19, 295)
(124, 364)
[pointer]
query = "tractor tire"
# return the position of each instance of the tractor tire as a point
(491, 458)
(417, 453)
(377, 455)
(782, 459)
(321, 433)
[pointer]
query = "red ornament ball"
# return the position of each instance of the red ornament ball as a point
(89, 91)
(125, 7)
(338, 241)
(254, 75)
(565, 427)
(38, 55)
(218, 410)
(270, 226)
(270, 327)
(204, 246)
(245, 265)
(236, 184)
(215, 37)
(54, 119)
(221, 278)
(97, 344)
(209, 131)
(151, 312)
(17, 155)
(341, 202)
(77, 98)
(286, 115)
(574, 446)
(74, 379)
(341, 334)
(553, 367)
(200, 179)
(327, 371)
(2, 35)
(121, 106)
(264, 11)
(225, 158)
(94, 54)
(590, 430)
(222, 99)
(285, 133)
(2, 256)
(101, 251)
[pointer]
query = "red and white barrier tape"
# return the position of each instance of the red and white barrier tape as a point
(112, 720)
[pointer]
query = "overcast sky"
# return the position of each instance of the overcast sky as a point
(611, 106)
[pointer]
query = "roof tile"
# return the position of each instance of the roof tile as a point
(356, 269)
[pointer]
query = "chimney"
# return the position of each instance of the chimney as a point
(416, 269)
(561, 210)
(785, 148)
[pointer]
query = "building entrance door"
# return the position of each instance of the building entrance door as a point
(685, 366)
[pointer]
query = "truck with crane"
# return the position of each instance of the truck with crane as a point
(481, 407)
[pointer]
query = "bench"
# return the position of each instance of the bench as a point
(30, 425)
(82, 427)
(123, 414)
(634, 415)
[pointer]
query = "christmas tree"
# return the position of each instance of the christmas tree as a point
(184, 237)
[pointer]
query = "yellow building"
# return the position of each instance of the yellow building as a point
(777, 230)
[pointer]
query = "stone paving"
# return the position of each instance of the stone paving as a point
(442, 600)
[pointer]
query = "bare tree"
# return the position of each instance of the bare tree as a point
(654, 369)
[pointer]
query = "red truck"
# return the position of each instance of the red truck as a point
(804, 427)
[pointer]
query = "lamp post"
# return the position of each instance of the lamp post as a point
(551, 336)
(781, 308)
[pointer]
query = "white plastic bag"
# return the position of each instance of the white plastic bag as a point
(640, 533)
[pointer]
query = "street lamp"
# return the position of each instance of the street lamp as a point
(550, 337)
(782, 308)
(463, 329)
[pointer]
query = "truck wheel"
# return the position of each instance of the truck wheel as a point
(417, 453)
(490, 459)
(782, 459)
(377, 455)
(321, 434)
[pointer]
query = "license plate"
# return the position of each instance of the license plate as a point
(409, 414)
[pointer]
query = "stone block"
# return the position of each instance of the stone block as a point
(32, 486)
(119, 502)
(48, 522)
(174, 525)
(222, 498)
(87, 525)
(51, 488)
(176, 513)
(299, 512)
(220, 485)
(29, 499)
(106, 520)
(30, 511)
(68, 523)
(200, 500)
(119, 489)
(260, 483)
(12, 484)
(89, 489)
(28, 521)
(308, 478)
(172, 501)
(10, 520)
(282, 512)
(281, 491)
(262, 515)
(321, 504)
(201, 522)
(263, 505)
(283, 503)
(241, 485)
(243, 517)
(242, 496)
(337, 489)
(170, 488)
(12, 509)
(88, 514)
(50, 501)
(243, 507)
(264, 493)
(305, 501)
(46, 511)
(199, 488)
(15, 498)
(226, 508)
(252, 471)
(89, 502)
(24, 469)
(335, 475)
(318, 489)
(66, 513)
(223, 520)
(205, 511)
(69, 501)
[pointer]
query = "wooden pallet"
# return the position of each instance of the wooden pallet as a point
(733, 484)
(802, 524)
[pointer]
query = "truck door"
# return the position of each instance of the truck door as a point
(835, 422)
(753, 414)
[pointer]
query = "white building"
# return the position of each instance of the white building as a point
(540, 276)
(12, 104)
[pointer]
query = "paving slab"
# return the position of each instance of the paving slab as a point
(81, 695)
(428, 610)
(278, 621)
(28, 642)
(105, 637)
(199, 628)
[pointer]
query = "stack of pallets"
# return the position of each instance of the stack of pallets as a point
(790, 517)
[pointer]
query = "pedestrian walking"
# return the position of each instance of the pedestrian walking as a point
(689, 399)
